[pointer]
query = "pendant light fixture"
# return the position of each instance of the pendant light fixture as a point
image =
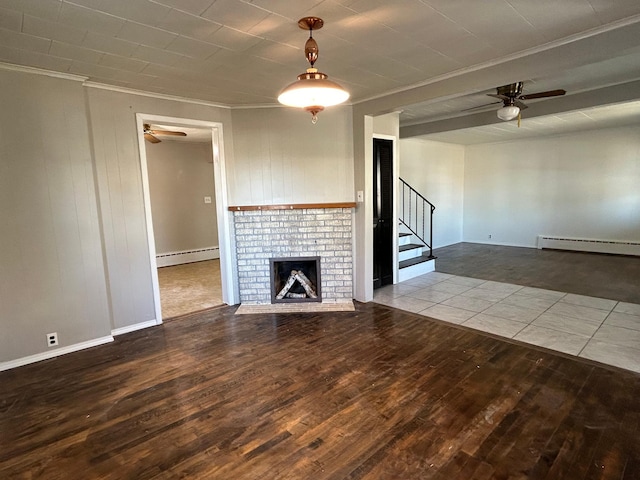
(312, 91)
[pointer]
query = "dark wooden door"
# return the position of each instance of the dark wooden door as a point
(382, 212)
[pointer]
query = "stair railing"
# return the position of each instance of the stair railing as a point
(414, 214)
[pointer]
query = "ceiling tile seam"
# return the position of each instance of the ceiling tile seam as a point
(259, 7)
(443, 15)
(164, 30)
(184, 11)
(158, 28)
(81, 47)
(405, 37)
(53, 24)
(246, 3)
(102, 12)
(58, 42)
(189, 56)
(519, 14)
(384, 57)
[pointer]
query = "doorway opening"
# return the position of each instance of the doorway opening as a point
(383, 228)
(185, 198)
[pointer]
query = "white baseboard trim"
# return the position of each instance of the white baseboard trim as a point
(618, 247)
(132, 328)
(38, 357)
(169, 259)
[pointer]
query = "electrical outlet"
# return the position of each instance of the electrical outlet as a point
(52, 339)
(207, 199)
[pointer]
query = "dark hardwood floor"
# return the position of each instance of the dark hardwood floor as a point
(615, 277)
(373, 394)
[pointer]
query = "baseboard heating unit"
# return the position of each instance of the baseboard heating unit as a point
(618, 247)
(187, 256)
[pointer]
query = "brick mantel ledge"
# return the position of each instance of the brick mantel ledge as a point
(294, 206)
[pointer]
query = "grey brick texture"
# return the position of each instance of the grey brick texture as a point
(265, 234)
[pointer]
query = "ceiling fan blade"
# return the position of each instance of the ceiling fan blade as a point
(520, 104)
(150, 138)
(168, 132)
(480, 106)
(496, 95)
(550, 93)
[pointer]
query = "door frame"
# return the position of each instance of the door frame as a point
(394, 207)
(226, 244)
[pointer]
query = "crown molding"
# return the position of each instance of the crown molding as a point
(160, 96)
(131, 91)
(262, 105)
(40, 71)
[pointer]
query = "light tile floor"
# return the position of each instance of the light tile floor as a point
(595, 328)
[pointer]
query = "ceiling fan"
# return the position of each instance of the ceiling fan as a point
(150, 135)
(512, 99)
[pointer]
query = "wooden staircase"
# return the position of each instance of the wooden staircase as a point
(413, 256)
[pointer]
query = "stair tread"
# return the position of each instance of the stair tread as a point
(410, 246)
(404, 234)
(415, 261)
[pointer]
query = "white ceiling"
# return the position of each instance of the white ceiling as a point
(562, 123)
(428, 58)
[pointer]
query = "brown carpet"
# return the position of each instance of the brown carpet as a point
(190, 287)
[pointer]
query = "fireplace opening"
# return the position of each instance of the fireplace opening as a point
(295, 279)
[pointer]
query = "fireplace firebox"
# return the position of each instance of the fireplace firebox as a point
(295, 279)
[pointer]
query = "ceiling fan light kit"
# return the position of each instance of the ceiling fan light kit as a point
(312, 91)
(508, 113)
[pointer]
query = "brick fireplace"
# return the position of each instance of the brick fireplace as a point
(294, 231)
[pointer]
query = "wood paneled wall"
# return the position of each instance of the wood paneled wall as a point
(121, 196)
(52, 276)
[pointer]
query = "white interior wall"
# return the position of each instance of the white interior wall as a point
(52, 276)
(280, 157)
(388, 124)
(363, 214)
(583, 185)
(180, 176)
(436, 170)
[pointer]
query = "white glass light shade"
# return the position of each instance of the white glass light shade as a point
(508, 113)
(311, 90)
